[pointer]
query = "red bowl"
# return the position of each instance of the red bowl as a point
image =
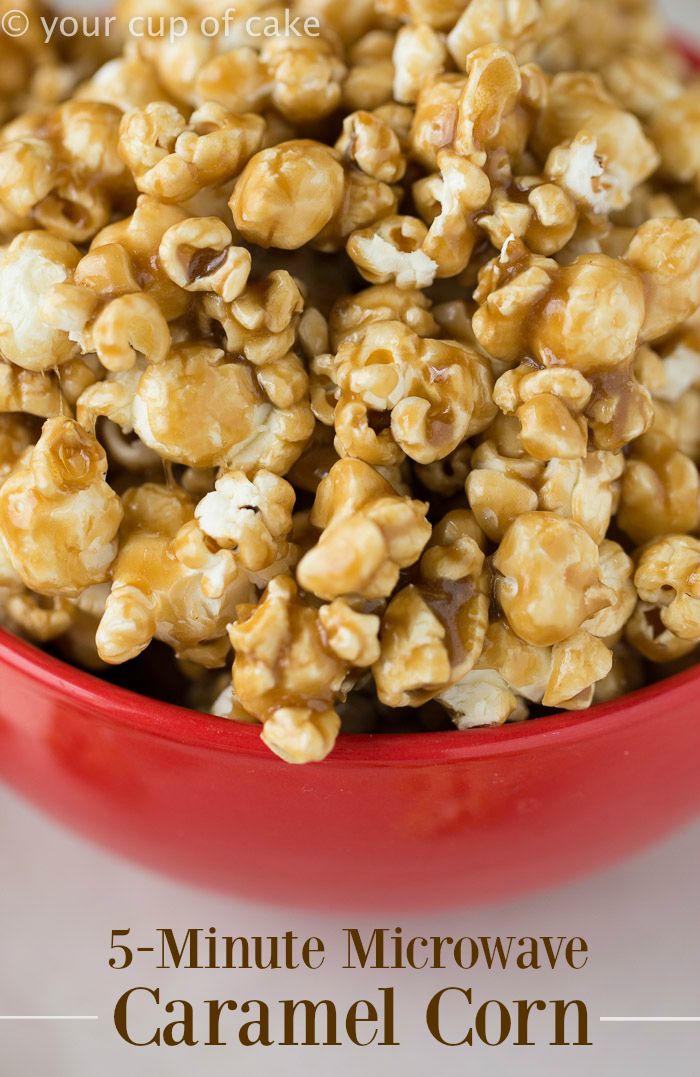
(386, 821)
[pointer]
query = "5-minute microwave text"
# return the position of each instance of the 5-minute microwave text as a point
(144, 1016)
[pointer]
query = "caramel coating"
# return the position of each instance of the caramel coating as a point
(540, 546)
(368, 534)
(33, 262)
(261, 322)
(292, 663)
(252, 516)
(61, 170)
(169, 582)
(668, 576)
(287, 194)
(588, 315)
(511, 674)
(173, 160)
(674, 130)
(660, 490)
(247, 420)
(198, 255)
(437, 393)
(392, 251)
(350, 315)
(59, 518)
(433, 631)
(372, 354)
(621, 157)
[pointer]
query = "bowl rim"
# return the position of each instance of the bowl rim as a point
(196, 728)
(121, 706)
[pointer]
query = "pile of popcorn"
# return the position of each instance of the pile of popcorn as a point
(364, 364)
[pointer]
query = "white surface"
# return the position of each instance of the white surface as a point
(60, 898)
(683, 13)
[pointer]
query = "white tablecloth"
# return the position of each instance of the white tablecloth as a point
(60, 899)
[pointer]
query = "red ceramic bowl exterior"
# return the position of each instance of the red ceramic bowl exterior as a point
(385, 822)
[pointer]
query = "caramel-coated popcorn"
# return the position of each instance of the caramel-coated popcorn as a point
(29, 267)
(61, 169)
(261, 321)
(293, 662)
(173, 160)
(392, 251)
(252, 516)
(419, 54)
(603, 170)
(370, 78)
(246, 418)
(660, 490)
(371, 144)
(368, 535)
(169, 582)
(433, 630)
(668, 576)
(435, 393)
(198, 255)
(58, 516)
(363, 363)
(540, 546)
(675, 130)
(287, 194)
(519, 25)
(511, 675)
